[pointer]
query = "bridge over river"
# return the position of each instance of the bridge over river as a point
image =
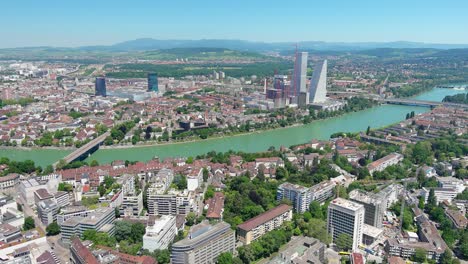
(87, 149)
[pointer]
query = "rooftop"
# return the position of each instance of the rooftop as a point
(340, 202)
(265, 217)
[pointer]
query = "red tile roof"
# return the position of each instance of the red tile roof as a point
(215, 206)
(265, 217)
(83, 251)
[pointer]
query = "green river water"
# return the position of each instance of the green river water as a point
(375, 117)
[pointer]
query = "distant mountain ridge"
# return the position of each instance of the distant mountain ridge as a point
(149, 43)
(146, 44)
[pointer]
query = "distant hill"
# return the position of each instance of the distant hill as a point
(149, 43)
(202, 53)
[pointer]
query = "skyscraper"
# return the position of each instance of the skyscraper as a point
(318, 83)
(100, 87)
(301, 73)
(346, 217)
(153, 82)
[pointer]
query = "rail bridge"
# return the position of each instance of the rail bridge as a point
(84, 151)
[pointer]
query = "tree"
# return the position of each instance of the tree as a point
(123, 230)
(344, 242)
(180, 182)
(94, 163)
(65, 187)
(53, 229)
(420, 255)
(368, 130)
(316, 210)
(225, 258)
(431, 200)
(191, 218)
(48, 170)
(138, 230)
(205, 174)
(61, 164)
(29, 223)
(446, 257)
(162, 256)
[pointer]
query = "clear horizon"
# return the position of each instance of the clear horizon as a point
(87, 23)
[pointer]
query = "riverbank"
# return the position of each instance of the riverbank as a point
(376, 117)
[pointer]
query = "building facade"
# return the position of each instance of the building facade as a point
(374, 206)
(153, 82)
(204, 244)
(346, 217)
(160, 233)
(300, 196)
(318, 83)
(100, 87)
(256, 227)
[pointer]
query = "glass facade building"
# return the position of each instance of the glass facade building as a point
(153, 82)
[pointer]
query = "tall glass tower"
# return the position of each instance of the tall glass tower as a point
(100, 87)
(153, 82)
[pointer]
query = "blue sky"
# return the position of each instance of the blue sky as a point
(103, 22)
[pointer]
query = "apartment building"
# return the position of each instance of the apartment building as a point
(346, 217)
(47, 211)
(300, 196)
(171, 203)
(101, 220)
(204, 244)
(374, 206)
(160, 232)
(322, 191)
(258, 226)
(381, 164)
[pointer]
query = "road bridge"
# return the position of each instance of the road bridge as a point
(412, 102)
(84, 151)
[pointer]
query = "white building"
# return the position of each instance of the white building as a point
(160, 234)
(322, 191)
(451, 183)
(318, 83)
(381, 164)
(441, 194)
(346, 217)
(300, 196)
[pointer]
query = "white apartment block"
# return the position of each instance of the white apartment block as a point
(441, 194)
(322, 191)
(381, 164)
(160, 234)
(300, 196)
(346, 217)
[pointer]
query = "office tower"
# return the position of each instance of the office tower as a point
(346, 217)
(153, 82)
(318, 83)
(100, 86)
(300, 196)
(300, 73)
(204, 244)
(374, 206)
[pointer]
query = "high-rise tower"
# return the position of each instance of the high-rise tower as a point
(301, 74)
(346, 217)
(100, 87)
(153, 82)
(318, 83)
